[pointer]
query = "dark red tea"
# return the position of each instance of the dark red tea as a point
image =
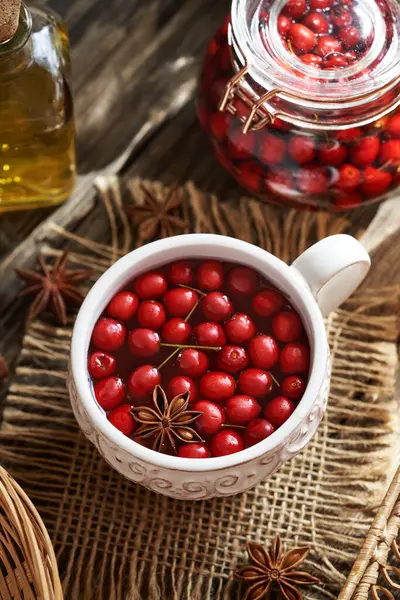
(199, 359)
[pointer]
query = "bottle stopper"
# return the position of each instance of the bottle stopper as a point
(9, 18)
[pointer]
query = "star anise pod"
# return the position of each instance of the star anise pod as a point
(274, 568)
(55, 289)
(167, 420)
(155, 218)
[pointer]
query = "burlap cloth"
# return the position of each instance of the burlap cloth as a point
(115, 540)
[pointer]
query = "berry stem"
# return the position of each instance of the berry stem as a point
(187, 287)
(191, 346)
(275, 380)
(231, 426)
(169, 357)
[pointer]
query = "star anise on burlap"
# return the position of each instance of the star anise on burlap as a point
(54, 288)
(155, 218)
(167, 421)
(274, 568)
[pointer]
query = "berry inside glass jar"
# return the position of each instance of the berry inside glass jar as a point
(300, 99)
(199, 359)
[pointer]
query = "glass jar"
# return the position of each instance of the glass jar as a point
(301, 100)
(37, 140)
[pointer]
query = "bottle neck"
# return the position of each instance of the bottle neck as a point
(15, 53)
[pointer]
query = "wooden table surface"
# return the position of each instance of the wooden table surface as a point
(135, 66)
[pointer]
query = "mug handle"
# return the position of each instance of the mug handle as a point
(333, 268)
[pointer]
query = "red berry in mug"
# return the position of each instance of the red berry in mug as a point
(210, 275)
(287, 326)
(390, 153)
(295, 8)
(341, 17)
(176, 331)
(211, 420)
(267, 303)
(123, 306)
(328, 45)
(293, 387)
(321, 4)
(332, 153)
(240, 329)
(365, 151)
(394, 126)
(232, 359)
(317, 22)
(151, 314)
(257, 431)
(110, 392)
(302, 148)
(311, 59)
(255, 382)
(180, 273)
(272, 149)
(242, 281)
(217, 386)
(194, 451)
(216, 306)
(101, 365)
(193, 362)
(108, 335)
(302, 37)
(278, 410)
(144, 342)
(122, 418)
(294, 359)
(264, 352)
(143, 380)
(349, 178)
(150, 286)
(312, 180)
(180, 301)
(376, 181)
(181, 384)
(350, 36)
(242, 409)
(209, 334)
(284, 24)
(225, 442)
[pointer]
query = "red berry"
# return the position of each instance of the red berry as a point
(176, 331)
(272, 149)
(284, 24)
(349, 178)
(376, 181)
(332, 153)
(394, 125)
(242, 281)
(350, 55)
(365, 151)
(123, 306)
(264, 352)
(219, 124)
(151, 314)
(302, 37)
(335, 61)
(293, 387)
(180, 301)
(295, 8)
(110, 392)
(390, 153)
(232, 359)
(255, 382)
(241, 145)
(278, 410)
(328, 45)
(122, 418)
(210, 275)
(267, 303)
(194, 451)
(321, 4)
(143, 380)
(295, 359)
(216, 306)
(346, 200)
(349, 135)
(181, 384)
(302, 148)
(193, 363)
(350, 36)
(280, 181)
(108, 335)
(242, 409)
(312, 180)
(250, 179)
(287, 326)
(150, 286)
(217, 386)
(226, 442)
(143, 342)
(316, 22)
(240, 329)
(101, 365)
(340, 17)
(311, 59)
(257, 431)
(180, 273)
(209, 334)
(212, 418)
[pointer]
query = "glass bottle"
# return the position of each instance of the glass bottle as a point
(301, 100)
(37, 139)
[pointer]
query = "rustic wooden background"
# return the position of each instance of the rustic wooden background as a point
(135, 66)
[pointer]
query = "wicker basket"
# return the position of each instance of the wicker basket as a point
(28, 564)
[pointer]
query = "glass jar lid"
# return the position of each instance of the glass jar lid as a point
(326, 62)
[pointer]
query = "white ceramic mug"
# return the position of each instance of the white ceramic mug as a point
(316, 283)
